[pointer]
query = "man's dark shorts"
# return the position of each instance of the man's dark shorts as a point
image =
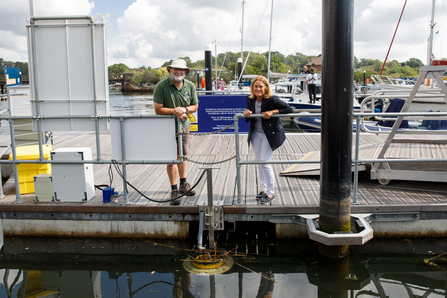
(185, 140)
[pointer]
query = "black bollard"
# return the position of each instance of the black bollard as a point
(336, 119)
(239, 72)
(208, 69)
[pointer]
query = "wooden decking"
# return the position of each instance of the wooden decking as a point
(294, 194)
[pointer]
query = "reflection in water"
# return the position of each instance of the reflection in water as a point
(182, 284)
(266, 286)
(123, 104)
(139, 268)
(119, 104)
(130, 103)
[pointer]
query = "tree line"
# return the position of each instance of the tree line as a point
(23, 66)
(256, 64)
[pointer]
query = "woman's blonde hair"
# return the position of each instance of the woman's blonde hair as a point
(268, 91)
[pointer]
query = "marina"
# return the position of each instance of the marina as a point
(85, 200)
(296, 195)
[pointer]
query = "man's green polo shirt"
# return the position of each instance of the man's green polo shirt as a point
(169, 96)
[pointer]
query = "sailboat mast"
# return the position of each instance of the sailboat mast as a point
(242, 32)
(430, 41)
(270, 44)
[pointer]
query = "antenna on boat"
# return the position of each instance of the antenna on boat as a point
(430, 40)
(270, 44)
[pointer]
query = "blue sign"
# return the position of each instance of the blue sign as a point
(12, 76)
(217, 112)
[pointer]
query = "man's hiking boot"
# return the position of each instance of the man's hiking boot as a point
(174, 194)
(184, 189)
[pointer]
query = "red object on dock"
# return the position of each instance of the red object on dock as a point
(439, 62)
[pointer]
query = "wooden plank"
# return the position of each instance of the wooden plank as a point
(302, 192)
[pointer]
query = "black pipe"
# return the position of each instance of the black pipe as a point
(208, 69)
(336, 120)
(239, 72)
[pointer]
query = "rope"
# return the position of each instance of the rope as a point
(384, 62)
(254, 37)
(231, 38)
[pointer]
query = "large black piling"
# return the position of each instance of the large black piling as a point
(336, 130)
(208, 69)
(239, 72)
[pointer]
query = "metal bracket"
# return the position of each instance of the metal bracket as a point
(213, 216)
(363, 233)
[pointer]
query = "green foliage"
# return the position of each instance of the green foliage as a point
(23, 66)
(410, 68)
(413, 63)
(117, 70)
(256, 64)
(137, 77)
(148, 76)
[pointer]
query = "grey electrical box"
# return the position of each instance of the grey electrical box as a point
(43, 188)
(73, 182)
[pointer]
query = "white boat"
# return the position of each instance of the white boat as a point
(292, 89)
(313, 124)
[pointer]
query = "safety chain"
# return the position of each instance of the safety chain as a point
(207, 163)
(204, 133)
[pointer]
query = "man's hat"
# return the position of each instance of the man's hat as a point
(179, 63)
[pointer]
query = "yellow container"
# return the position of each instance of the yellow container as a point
(27, 171)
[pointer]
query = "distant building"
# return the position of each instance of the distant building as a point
(315, 63)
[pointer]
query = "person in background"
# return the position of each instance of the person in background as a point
(311, 82)
(203, 83)
(177, 96)
(222, 84)
(304, 71)
(218, 83)
(266, 133)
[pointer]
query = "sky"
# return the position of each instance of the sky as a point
(151, 32)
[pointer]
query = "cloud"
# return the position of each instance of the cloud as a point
(13, 22)
(69, 7)
(151, 32)
(11, 47)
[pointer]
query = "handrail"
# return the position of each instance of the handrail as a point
(239, 162)
(99, 160)
(355, 160)
(403, 94)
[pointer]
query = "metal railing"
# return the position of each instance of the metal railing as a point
(355, 161)
(41, 160)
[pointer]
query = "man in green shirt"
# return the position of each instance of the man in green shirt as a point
(177, 96)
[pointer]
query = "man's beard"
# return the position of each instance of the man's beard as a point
(177, 79)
